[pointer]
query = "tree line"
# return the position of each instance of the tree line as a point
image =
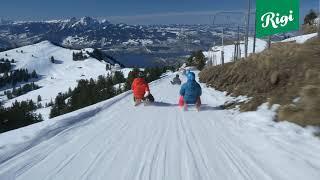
(20, 114)
(89, 92)
(86, 93)
(310, 17)
(21, 90)
(80, 56)
(5, 65)
(16, 76)
(150, 74)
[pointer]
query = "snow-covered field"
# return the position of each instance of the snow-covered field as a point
(214, 54)
(58, 77)
(115, 140)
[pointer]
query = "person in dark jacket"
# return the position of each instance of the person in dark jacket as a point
(176, 80)
(191, 92)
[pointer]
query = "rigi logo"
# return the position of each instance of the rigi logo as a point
(275, 20)
(277, 16)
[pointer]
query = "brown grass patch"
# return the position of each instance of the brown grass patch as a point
(277, 75)
(308, 29)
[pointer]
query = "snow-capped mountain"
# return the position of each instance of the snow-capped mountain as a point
(90, 32)
(132, 45)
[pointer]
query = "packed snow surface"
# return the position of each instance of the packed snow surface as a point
(114, 140)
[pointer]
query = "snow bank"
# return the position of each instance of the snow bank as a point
(301, 39)
(22, 138)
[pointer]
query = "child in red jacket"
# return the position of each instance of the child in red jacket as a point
(140, 89)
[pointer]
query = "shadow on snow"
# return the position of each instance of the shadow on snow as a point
(204, 107)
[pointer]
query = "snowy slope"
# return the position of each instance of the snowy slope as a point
(215, 53)
(115, 140)
(301, 39)
(56, 77)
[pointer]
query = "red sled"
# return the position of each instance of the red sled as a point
(181, 101)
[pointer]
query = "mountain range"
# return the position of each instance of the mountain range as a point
(91, 32)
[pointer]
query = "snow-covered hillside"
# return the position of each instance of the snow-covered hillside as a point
(115, 140)
(214, 54)
(301, 39)
(55, 77)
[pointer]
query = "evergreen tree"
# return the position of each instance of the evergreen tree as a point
(52, 59)
(118, 77)
(132, 74)
(5, 67)
(108, 67)
(78, 56)
(59, 106)
(16, 76)
(20, 114)
(97, 54)
(39, 106)
(50, 103)
(21, 90)
(39, 98)
(69, 92)
(197, 59)
(9, 94)
(310, 17)
(110, 90)
(34, 74)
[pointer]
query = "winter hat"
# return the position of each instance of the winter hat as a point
(191, 76)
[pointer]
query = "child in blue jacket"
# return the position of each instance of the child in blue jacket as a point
(191, 91)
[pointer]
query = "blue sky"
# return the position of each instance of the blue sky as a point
(128, 11)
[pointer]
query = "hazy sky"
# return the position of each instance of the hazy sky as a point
(128, 11)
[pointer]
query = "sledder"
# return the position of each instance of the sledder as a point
(176, 80)
(190, 93)
(141, 91)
